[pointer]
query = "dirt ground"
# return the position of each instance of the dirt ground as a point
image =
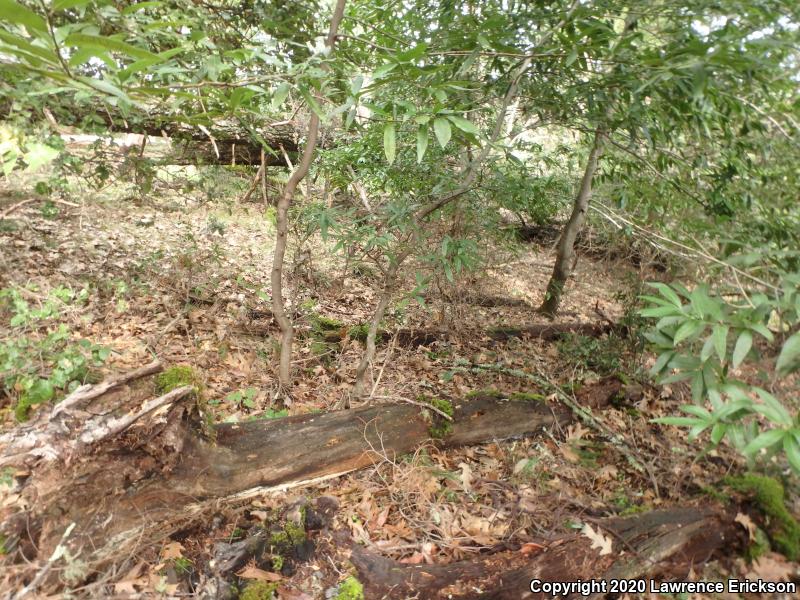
(188, 281)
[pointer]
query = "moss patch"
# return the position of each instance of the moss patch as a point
(768, 494)
(322, 324)
(439, 426)
(176, 377)
(259, 590)
(359, 332)
(350, 589)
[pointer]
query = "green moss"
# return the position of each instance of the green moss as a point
(440, 426)
(290, 535)
(716, 494)
(3, 549)
(321, 324)
(183, 566)
(350, 589)
(768, 494)
(259, 590)
(359, 332)
(176, 377)
(277, 562)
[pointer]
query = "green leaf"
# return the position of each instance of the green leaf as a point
(39, 155)
(463, 124)
(134, 7)
(687, 330)
(720, 335)
(82, 40)
(743, 345)
(660, 311)
(41, 391)
(422, 142)
(16, 13)
(764, 440)
(389, 142)
(776, 411)
(441, 127)
(667, 292)
(679, 421)
(718, 432)
(789, 358)
(792, 449)
(384, 70)
(279, 95)
(661, 362)
(67, 4)
(413, 54)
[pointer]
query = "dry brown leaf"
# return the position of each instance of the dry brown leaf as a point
(773, 567)
(748, 524)
(466, 476)
(599, 541)
(569, 453)
(529, 548)
(259, 574)
(172, 550)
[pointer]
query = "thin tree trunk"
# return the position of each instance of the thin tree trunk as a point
(566, 243)
(386, 297)
(278, 310)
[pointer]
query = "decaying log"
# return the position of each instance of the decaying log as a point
(661, 544)
(127, 470)
(548, 332)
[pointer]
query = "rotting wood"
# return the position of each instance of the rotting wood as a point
(158, 470)
(662, 544)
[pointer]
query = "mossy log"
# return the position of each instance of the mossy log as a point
(124, 470)
(663, 544)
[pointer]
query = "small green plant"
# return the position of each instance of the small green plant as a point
(243, 398)
(439, 427)
(601, 355)
(358, 332)
(259, 590)
(350, 589)
(178, 376)
(702, 338)
(42, 359)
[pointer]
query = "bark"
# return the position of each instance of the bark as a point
(566, 243)
(129, 471)
(662, 544)
(278, 310)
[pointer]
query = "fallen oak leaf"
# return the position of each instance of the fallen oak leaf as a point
(599, 541)
(172, 550)
(746, 522)
(529, 548)
(259, 574)
(772, 567)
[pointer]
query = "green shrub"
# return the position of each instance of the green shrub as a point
(41, 359)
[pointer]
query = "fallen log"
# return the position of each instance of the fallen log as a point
(122, 470)
(661, 544)
(548, 332)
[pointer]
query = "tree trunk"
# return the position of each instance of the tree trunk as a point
(285, 323)
(662, 544)
(369, 353)
(120, 472)
(566, 243)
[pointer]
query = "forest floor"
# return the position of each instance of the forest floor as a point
(189, 281)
